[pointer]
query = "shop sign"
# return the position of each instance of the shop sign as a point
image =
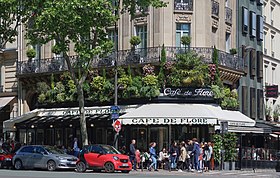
(271, 91)
(188, 92)
(164, 121)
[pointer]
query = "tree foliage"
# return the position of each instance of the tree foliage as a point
(83, 23)
(12, 14)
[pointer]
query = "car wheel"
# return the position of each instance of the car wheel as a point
(51, 166)
(109, 167)
(18, 164)
(125, 171)
(81, 166)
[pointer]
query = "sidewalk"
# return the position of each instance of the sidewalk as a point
(214, 172)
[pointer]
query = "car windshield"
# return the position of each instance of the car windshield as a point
(110, 150)
(53, 150)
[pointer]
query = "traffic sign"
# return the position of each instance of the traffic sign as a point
(117, 126)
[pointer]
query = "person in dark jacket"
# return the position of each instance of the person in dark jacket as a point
(153, 156)
(132, 155)
(196, 153)
(173, 155)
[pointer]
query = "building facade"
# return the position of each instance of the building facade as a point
(271, 11)
(249, 41)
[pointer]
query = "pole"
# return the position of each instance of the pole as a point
(116, 71)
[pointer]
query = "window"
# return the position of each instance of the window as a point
(259, 65)
(271, 15)
(259, 2)
(260, 103)
(182, 29)
(273, 75)
(27, 149)
(252, 63)
(96, 149)
(37, 48)
(260, 28)
(245, 20)
(272, 44)
(228, 46)
(253, 103)
(186, 5)
(111, 36)
(265, 73)
(227, 3)
(253, 24)
(244, 100)
(141, 31)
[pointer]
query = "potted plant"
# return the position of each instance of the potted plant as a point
(186, 41)
(233, 51)
(268, 111)
(134, 41)
(276, 113)
(30, 53)
(230, 153)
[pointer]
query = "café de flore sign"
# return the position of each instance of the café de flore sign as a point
(191, 94)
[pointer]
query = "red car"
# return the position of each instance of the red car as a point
(5, 159)
(103, 157)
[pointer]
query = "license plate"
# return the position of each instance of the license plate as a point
(125, 164)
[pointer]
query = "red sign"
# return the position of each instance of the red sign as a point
(117, 126)
(272, 91)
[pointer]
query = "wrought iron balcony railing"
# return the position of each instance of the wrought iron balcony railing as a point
(215, 8)
(185, 5)
(128, 57)
(228, 15)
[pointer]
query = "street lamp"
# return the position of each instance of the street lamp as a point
(116, 70)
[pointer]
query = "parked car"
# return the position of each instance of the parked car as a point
(5, 159)
(44, 157)
(103, 157)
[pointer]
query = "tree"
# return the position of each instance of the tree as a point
(12, 14)
(83, 23)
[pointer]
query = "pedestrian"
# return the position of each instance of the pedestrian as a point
(196, 153)
(153, 156)
(138, 158)
(211, 164)
(132, 155)
(182, 157)
(191, 157)
(163, 158)
(76, 148)
(206, 157)
(173, 155)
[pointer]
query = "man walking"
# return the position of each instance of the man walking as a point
(132, 155)
(196, 153)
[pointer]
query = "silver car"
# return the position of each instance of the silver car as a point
(44, 157)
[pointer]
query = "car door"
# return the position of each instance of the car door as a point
(25, 156)
(38, 157)
(93, 156)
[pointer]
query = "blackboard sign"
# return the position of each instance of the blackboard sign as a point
(272, 91)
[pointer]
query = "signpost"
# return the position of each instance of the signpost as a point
(116, 123)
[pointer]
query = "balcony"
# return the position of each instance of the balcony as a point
(183, 5)
(128, 57)
(215, 8)
(228, 12)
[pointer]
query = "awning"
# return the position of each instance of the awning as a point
(236, 118)
(5, 100)
(59, 115)
(170, 113)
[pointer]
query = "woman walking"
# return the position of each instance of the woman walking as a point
(153, 156)
(173, 155)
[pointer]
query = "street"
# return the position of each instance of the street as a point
(145, 174)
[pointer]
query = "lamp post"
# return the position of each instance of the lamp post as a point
(116, 70)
